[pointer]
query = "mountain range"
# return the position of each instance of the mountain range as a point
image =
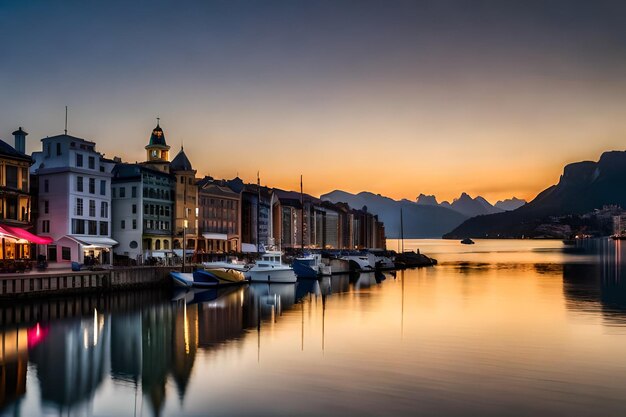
(424, 218)
(583, 187)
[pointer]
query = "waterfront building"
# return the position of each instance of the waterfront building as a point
(256, 219)
(74, 183)
(185, 216)
(219, 221)
(142, 211)
(15, 201)
(158, 151)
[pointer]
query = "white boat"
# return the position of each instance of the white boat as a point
(270, 268)
(359, 261)
(237, 266)
(310, 266)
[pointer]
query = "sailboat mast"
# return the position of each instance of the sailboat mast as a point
(402, 229)
(301, 216)
(258, 213)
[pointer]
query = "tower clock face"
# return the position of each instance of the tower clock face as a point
(155, 153)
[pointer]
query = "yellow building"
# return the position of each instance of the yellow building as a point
(186, 202)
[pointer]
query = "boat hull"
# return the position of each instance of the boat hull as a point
(185, 280)
(222, 275)
(305, 269)
(278, 275)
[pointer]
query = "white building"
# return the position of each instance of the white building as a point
(74, 200)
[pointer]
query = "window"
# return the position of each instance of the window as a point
(58, 149)
(92, 162)
(79, 207)
(113, 192)
(48, 155)
(134, 192)
(134, 208)
(134, 223)
(79, 184)
(182, 180)
(123, 224)
(92, 185)
(92, 208)
(157, 245)
(25, 179)
(104, 209)
(122, 192)
(166, 244)
(66, 253)
(45, 226)
(146, 209)
(93, 227)
(78, 227)
(79, 159)
(103, 187)
(104, 228)
(46, 206)
(46, 186)
(11, 174)
(133, 244)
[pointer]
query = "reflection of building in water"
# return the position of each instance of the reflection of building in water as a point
(221, 319)
(600, 285)
(185, 345)
(13, 365)
(126, 347)
(156, 342)
(72, 361)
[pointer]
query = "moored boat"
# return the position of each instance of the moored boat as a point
(271, 269)
(225, 276)
(310, 266)
(467, 241)
(358, 261)
(412, 259)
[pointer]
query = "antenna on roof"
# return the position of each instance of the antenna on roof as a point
(158, 120)
(66, 120)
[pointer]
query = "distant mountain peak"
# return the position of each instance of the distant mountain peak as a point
(426, 200)
(510, 204)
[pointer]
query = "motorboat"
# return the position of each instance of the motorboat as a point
(358, 261)
(270, 268)
(238, 266)
(411, 259)
(187, 280)
(310, 266)
(208, 278)
(467, 241)
(383, 260)
(225, 276)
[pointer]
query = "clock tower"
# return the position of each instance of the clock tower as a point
(157, 150)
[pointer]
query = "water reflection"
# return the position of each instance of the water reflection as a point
(599, 286)
(362, 344)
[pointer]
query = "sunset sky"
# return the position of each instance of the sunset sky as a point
(394, 97)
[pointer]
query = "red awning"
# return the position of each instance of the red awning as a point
(20, 233)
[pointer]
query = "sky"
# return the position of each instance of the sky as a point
(395, 97)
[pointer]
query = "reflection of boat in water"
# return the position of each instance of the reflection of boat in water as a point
(275, 296)
(271, 269)
(202, 295)
(207, 278)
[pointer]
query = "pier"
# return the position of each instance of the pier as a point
(67, 281)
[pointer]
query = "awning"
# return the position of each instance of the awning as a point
(215, 236)
(19, 233)
(94, 242)
(179, 252)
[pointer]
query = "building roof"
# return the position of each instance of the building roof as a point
(157, 138)
(9, 151)
(181, 162)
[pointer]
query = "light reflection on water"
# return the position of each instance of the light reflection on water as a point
(497, 328)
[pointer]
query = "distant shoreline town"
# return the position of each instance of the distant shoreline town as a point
(67, 203)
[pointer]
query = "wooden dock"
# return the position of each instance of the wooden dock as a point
(56, 282)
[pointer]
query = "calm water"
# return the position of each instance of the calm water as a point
(510, 328)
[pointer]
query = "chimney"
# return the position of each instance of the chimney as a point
(20, 140)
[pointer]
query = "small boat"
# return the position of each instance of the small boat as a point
(225, 276)
(358, 261)
(310, 266)
(383, 260)
(467, 241)
(410, 259)
(270, 268)
(186, 280)
(239, 266)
